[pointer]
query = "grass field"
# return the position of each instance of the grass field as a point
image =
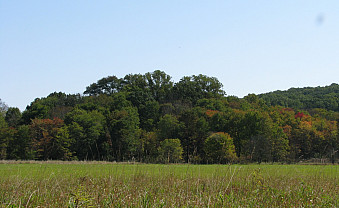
(91, 184)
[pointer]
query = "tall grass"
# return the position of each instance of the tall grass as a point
(142, 185)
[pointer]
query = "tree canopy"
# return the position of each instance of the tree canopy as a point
(305, 98)
(150, 118)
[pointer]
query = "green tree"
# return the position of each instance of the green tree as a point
(6, 135)
(195, 129)
(3, 108)
(87, 130)
(302, 138)
(123, 127)
(255, 125)
(50, 139)
(107, 85)
(213, 104)
(54, 105)
(13, 117)
(305, 98)
(170, 151)
(279, 144)
(219, 148)
(149, 115)
(168, 127)
(231, 122)
(160, 85)
(149, 147)
(193, 88)
(21, 146)
(35, 110)
(260, 148)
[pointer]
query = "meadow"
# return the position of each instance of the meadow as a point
(103, 184)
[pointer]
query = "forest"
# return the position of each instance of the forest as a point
(151, 119)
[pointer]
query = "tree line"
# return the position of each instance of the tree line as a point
(149, 118)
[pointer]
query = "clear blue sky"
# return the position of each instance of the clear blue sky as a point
(250, 46)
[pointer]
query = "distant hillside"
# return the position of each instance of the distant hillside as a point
(305, 98)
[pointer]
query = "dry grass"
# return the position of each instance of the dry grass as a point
(103, 184)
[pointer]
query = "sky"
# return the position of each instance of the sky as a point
(250, 46)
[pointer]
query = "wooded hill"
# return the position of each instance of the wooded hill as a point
(305, 98)
(149, 118)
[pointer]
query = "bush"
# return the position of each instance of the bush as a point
(219, 148)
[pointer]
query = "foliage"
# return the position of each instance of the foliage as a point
(50, 139)
(123, 127)
(5, 137)
(149, 115)
(13, 117)
(140, 88)
(193, 88)
(219, 148)
(21, 146)
(54, 105)
(168, 127)
(305, 98)
(3, 108)
(170, 151)
(134, 118)
(85, 130)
